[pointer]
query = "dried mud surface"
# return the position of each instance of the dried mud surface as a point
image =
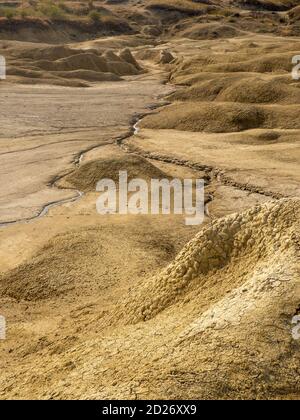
(145, 307)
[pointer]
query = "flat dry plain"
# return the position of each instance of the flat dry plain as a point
(145, 307)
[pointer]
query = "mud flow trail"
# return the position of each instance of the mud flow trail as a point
(144, 306)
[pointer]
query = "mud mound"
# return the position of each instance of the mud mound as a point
(89, 75)
(90, 61)
(244, 62)
(216, 118)
(24, 76)
(250, 251)
(269, 64)
(57, 29)
(223, 117)
(186, 7)
(152, 30)
(86, 177)
(210, 31)
(55, 81)
(89, 65)
(260, 91)
(269, 136)
(123, 68)
(294, 14)
(270, 5)
(240, 89)
(36, 280)
(118, 43)
(75, 263)
(23, 72)
(148, 54)
(185, 79)
(87, 61)
(110, 55)
(46, 52)
(165, 57)
(126, 56)
(205, 87)
(155, 55)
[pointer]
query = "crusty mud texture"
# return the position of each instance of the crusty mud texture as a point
(131, 306)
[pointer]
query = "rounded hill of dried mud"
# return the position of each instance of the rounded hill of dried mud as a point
(231, 249)
(236, 279)
(67, 66)
(86, 177)
(247, 88)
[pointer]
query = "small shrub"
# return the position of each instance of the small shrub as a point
(7, 12)
(94, 16)
(182, 6)
(51, 10)
(23, 13)
(63, 7)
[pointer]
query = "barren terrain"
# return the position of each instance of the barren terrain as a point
(145, 307)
